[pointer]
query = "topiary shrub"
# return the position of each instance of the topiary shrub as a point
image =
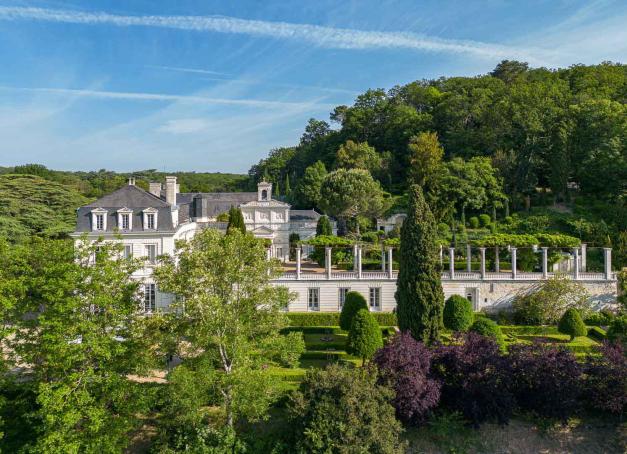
(617, 332)
(458, 315)
(473, 222)
(572, 324)
(484, 220)
(488, 328)
(353, 303)
(476, 378)
(404, 365)
(546, 380)
(602, 318)
(364, 337)
(606, 379)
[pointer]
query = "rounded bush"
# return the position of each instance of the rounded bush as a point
(617, 332)
(488, 328)
(474, 222)
(352, 304)
(484, 220)
(572, 324)
(364, 337)
(443, 229)
(458, 314)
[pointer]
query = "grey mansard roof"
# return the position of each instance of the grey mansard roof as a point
(211, 204)
(130, 197)
(304, 215)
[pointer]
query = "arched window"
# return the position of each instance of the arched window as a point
(264, 195)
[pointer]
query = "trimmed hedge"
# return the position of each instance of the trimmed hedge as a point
(488, 328)
(572, 324)
(596, 333)
(458, 314)
(331, 320)
(534, 330)
(353, 303)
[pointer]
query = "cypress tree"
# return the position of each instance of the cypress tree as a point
(288, 188)
(323, 227)
(236, 220)
(419, 295)
(353, 303)
(277, 189)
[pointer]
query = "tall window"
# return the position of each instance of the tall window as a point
(150, 293)
(150, 221)
(151, 253)
(128, 251)
(125, 221)
(313, 299)
(341, 295)
(375, 298)
(100, 222)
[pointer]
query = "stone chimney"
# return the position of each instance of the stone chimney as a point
(154, 188)
(131, 181)
(171, 189)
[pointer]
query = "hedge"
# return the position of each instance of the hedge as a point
(332, 319)
(597, 334)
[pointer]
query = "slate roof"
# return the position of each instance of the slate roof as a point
(304, 215)
(131, 197)
(213, 203)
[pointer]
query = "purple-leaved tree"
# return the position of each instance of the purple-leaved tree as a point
(476, 378)
(404, 365)
(606, 379)
(546, 380)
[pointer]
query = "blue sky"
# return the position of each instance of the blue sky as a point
(214, 85)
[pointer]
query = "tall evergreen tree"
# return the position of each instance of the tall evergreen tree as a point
(288, 187)
(277, 189)
(324, 226)
(419, 296)
(236, 220)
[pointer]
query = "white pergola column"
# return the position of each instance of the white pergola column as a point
(358, 262)
(268, 257)
(482, 252)
(451, 267)
(497, 260)
(576, 262)
(607, 258)
(383, 258)
(327, 261)
(390, 264)
(355, 248)
(298, 257)
(584, 257)
(513, 252)
(441, 257)
(545, 263)
(468, 258)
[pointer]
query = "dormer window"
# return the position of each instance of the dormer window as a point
(99, 220)
(264, 195)
(125, 219)
(150, 219)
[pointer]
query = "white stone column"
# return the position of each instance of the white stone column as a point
(468, 258)
(576, 262)
(584, 257)
(545, 263)
(607, 256)
(298, 256)
(451, 254)
(327, 261)
(482, 252)
(513, 252)
(390, 264)
(383, 258)
(497, 260)
(355, 248)
(358, 262)
(441, 257)
(268, 257)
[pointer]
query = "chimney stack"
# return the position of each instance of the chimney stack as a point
(154, 188)
(171, 189)
(131, 181)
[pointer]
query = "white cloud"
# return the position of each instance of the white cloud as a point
(184, 126)
(329, 37)
(187, 99)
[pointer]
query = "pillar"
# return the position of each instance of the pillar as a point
(584, 257)
(497, 260)
(468, 258)
(482, 252)
(451, 254)
(607, 256)
(441, 257)
(355, 248)
(513, 251)
(390, 264)
(576, 262)
(327, 261)
(268, 257)
(298, 256)
(383, 268)
(545, 263)
(358, 262)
